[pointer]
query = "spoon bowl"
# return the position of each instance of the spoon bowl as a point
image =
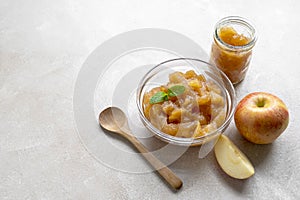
(113, 119)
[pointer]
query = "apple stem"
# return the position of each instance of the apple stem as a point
(261, 102)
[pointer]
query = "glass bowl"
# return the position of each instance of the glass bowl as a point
(159, 75)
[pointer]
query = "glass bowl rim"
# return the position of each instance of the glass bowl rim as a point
(181, 140)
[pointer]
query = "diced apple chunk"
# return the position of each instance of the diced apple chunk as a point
(232, 160)
(175, 116)
(194, 84)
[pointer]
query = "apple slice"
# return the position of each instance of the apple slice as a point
(232, 160)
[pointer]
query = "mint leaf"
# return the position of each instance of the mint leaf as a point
(176, 90)
(159, 97)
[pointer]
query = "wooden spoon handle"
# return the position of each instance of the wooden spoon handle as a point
(161, 168)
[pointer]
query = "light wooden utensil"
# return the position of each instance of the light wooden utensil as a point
(114, 120)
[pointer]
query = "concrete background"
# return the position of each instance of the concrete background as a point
(43, 44)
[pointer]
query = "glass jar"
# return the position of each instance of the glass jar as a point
(234, 38)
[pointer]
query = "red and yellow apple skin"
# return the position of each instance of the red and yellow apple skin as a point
(261, 117)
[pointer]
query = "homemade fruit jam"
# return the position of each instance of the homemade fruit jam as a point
(187, 106)
(231, 50)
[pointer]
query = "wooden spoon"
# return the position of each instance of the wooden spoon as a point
(114, 120)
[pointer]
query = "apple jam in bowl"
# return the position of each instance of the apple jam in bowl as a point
(185, 101)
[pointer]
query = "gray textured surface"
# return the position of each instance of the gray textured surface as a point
(42, 47)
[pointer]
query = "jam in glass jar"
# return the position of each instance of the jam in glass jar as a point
(234, 39)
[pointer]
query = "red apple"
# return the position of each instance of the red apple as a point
(261, 117)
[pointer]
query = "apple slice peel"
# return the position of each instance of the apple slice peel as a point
(232, 160)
